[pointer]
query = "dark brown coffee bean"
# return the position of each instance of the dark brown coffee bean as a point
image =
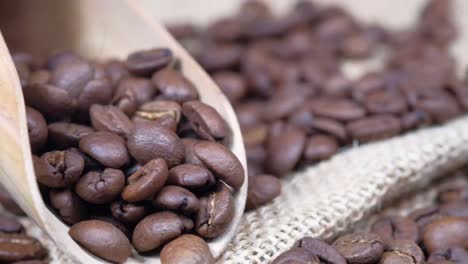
(303, 118)
(190, 156)
(262, 190)
(111, 119)
(158, 111)
(453, 193)
(151, 141)
(457, 209)
(58, 169)
(69, 206)
(216, 212)
(338, 109)
(10, 225)
(145, 63)
(282, 104)
(297, 256)
(249, 113)
(331, 127)
(111, 220)
(337, 86)
(17, 247)
(60, 58)
(128, 212)
(191, 176)
(320, 147)
(221, 56)
(455, 255)
(425, 215)
(174, 86)
(97, 91)
(187, 249)
(116, 71)
(100, 187)
(415, 119)
(205, 120)
(37, 129)
(325, 252)
(141, 88)
(445, 233)
(72, 76)
(176, 199)
(146, 182)
(107, 148)
(402, 251)
(126, 101)
(441, 106)
(8, 203)
(221, 162)
(284, 150)
(158, 229)
(385, 102)
(396, 228)
(360, 247)
(372, 128)
(53, 102)
(232, 84)
(102, 239)
(66, 135)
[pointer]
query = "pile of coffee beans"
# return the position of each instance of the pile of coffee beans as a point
(127, 155)
(295, 104)
(17, 247)
(437, 234)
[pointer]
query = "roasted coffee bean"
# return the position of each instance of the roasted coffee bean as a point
(145, 63)
(255, 135)
(330, 127)
(37, 129)
(216, 212)
(10, 225)
(402, 251)
(454, 193)
(146, 182)
(187, 249)
(111, 119)
(221, 56)
(53, 102)
(262, 190)
(107, 148)
(282, 104)
(424, 216)
(338, 109)
(59, 58)
(297, 256)
(72, 76)
(69, 206)
(111, 220)
(100, 187)
(440, 106)
(191, 176)
(415, 119)
(249, 114)
(457, 209)
(385, 102)
(97, 91)
(102, 239)
(284, 150)
(8, 203)
(176, 199)
(151, 141)
(158, 229)
(205, 120)
(141, 88)
(115, 71)
(451, 255)
(372, 128)
(337, 86)
(190, 157)
(396, 228)
(445, 233)
(17, 247)
(221, 162)
(360, 247)
(128, 212)
(320, 147)
(232, 84)
(174, 86)
(126, 101)
(158, 110)
(66, 135)
(325, 252)
(58, 169)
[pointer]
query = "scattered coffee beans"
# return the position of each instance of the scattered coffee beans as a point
(128, 156)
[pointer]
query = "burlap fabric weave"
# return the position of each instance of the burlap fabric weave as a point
(330, 197)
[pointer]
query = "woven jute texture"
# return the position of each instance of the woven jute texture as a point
(329, 198)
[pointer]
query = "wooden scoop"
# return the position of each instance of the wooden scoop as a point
(95, 29)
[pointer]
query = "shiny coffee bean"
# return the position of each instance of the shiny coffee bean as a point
(37, 129)
(446, 232)
(107, 148)
(396, 228)
(111, 119)
(320, 147)
(325, 252)
(205, 120)
(100, 187)
(111, 220)
(72, 76)
(262, 190)
(66, 135)
(187, 249)
(128, 212)
(151, 141)
(141, 88)
(146, 182)
(297, 256)
(174, 86)
(157, 229)
(360, 248)
(232, 84)
(18, 247)
(176, 199)
(145, 63)
(372, 128)
(53, 102)
(216, 212)
(221, 162)
(10, 225)
(191, 177)
(402, 251)
(58, 169)
(102, 239)
(98, 91)
(157, 110)
(69, 206)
